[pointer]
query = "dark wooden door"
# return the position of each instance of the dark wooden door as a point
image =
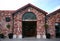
(29, 28)
(57, 30)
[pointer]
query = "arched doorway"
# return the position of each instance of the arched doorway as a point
(29, 25)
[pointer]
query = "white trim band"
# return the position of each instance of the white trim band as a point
(14, 36)
(20, 36)
(44, 36)
(38, 36)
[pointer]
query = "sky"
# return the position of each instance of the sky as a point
(46, 5)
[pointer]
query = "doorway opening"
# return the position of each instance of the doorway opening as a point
(57, 27)
(29, 29)
(29, 25)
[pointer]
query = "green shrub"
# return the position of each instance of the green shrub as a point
(8, 26)
(46, 25)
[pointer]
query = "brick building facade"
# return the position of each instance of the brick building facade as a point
(26, 19)
(53, 20)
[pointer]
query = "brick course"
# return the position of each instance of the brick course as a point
(16, 23)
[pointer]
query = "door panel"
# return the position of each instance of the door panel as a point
(57, 30)
(29, 28)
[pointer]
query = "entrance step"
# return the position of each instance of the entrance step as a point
(30, 38)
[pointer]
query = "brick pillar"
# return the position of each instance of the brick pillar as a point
(38, 30)
(20, 29)
(15, 31)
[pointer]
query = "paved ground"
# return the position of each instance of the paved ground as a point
(29, 39)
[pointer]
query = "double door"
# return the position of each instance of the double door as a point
(29, 29)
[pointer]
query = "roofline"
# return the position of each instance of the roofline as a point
(53, 13)
(56, 11)
(31, 6)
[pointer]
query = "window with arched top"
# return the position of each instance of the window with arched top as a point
(29, 16)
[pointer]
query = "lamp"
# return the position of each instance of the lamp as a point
(56, 24)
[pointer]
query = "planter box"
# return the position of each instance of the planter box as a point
(2, 36)
(48, 36)
(10, 35)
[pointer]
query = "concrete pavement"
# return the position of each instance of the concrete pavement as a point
(29, 39)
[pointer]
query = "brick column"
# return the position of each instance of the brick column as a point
(20, 29)
(38, 30)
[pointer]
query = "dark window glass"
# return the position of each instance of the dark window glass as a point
(29, 16)
(8, 19)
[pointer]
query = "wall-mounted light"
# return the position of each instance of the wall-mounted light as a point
(8, 19)
(56, 24)
(29, 10)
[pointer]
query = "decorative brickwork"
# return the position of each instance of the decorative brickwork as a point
(40, 21)
(16, 21)
(3, 23)
(51, 21)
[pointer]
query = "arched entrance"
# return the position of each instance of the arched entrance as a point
(29, 25)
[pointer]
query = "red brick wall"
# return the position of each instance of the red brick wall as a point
(51, 22)
(3, 23)
(40, 21)
(18, 22)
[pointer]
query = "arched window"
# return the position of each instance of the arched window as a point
(29, 16)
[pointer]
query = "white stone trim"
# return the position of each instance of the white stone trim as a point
(38, 36)
(29, 10)
(14, 36)
(20, 36)
(44, 36)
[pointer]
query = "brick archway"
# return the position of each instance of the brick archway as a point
(40, 18)
(29, 25)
